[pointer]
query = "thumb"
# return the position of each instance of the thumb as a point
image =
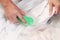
(50, 8)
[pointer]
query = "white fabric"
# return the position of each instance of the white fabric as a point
(39, 12)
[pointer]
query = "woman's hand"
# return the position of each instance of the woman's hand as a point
(12, 11)
(55, 3)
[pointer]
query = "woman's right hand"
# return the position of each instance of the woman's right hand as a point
(12, 11)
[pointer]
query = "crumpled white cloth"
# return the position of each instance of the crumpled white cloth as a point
(39, 10)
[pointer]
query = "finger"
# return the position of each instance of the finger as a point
(23, 13)
(10, 19)
(50, 7)
(20, 11)
(57, 9)
(15, 20)
(21, 17)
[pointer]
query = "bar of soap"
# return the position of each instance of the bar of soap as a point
(29, 20)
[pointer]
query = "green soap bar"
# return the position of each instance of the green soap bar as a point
(29, 20)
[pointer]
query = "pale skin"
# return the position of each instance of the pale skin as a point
(11, 10)
(56, 4)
